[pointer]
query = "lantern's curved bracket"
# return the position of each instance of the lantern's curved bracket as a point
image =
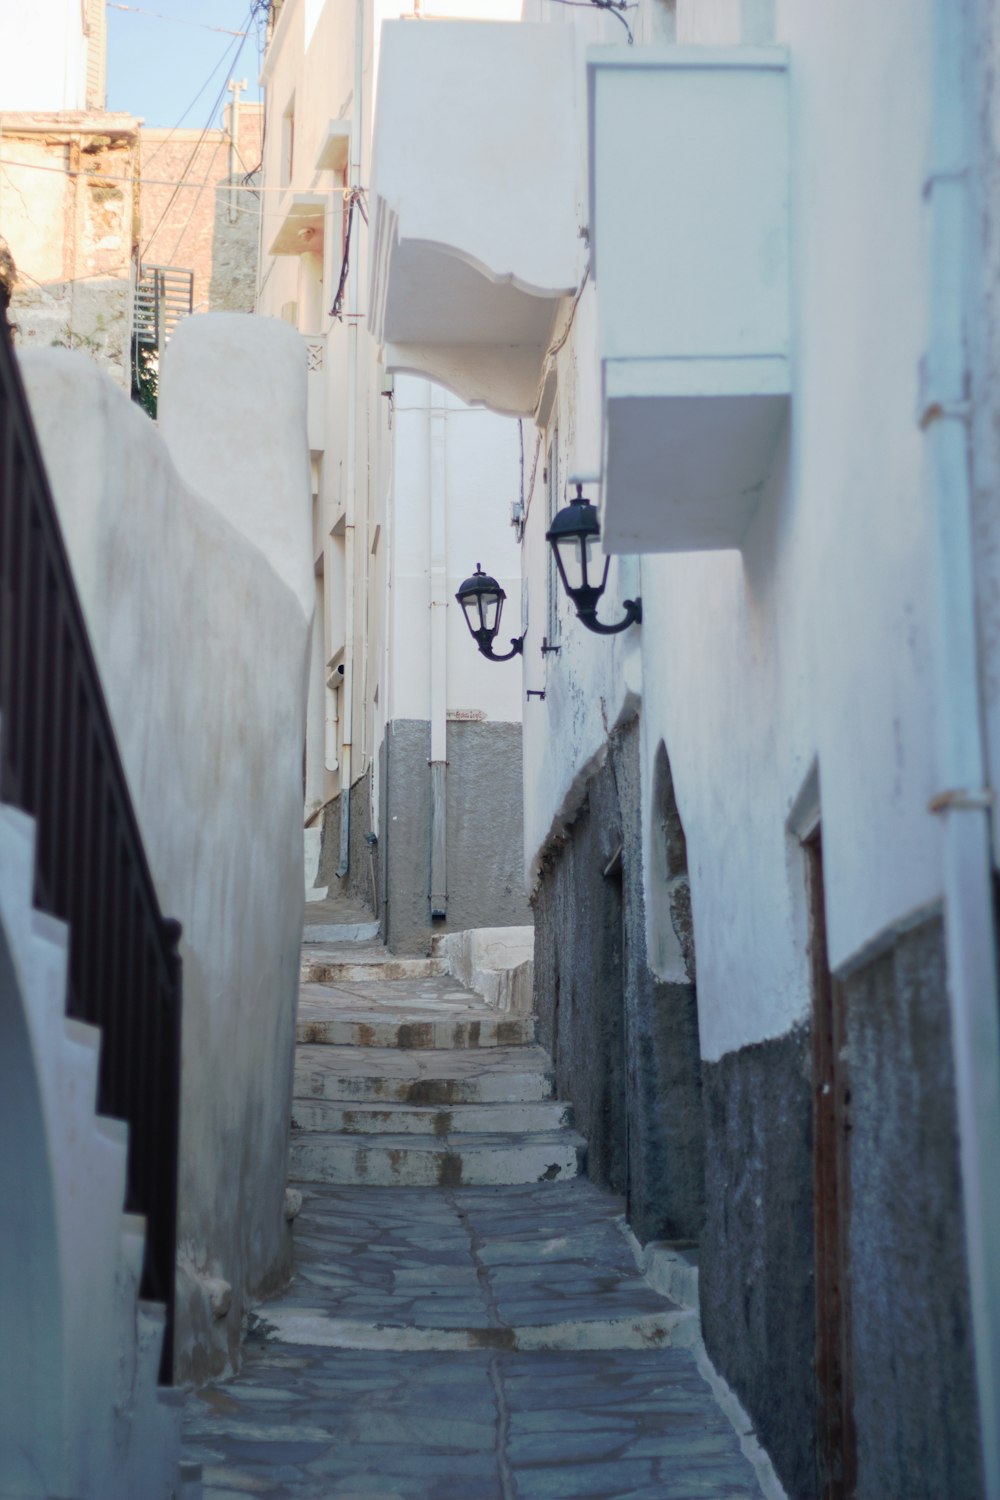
(486, 647)
(633, 616)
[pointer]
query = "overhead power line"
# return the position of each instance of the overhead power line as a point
(155, 15)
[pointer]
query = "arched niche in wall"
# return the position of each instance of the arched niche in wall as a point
(671, 929)
(30, 1291)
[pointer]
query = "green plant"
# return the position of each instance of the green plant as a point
(146, 378)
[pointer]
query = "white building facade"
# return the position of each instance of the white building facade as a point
(740, 287)
(413, 758)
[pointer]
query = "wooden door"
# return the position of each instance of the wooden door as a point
(836, 1458)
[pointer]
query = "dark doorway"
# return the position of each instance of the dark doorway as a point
(836, 1457)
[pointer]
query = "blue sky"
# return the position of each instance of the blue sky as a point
(162, 52)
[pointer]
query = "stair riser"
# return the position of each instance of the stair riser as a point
(417, 1036)
(488, 1088)
(348, 1165)
(315, 971)
(370, 1119)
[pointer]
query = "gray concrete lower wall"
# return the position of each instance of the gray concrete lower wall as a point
(362, 882)
(485, 883)
(756, 1262)
(625, 1045)
(914, 1398)
(915, 1404)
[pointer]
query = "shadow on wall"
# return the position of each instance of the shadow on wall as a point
(671, 924)
(624, 1039)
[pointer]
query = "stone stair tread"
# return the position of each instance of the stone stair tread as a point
(377, 1117)
(395, 1062)
(419, 1000)
(444, 1161)
(482, 1141)
(429, 1032)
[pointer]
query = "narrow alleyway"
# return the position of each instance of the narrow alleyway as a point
(466, 1321)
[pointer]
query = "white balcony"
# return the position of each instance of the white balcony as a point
(476, 189)
(300, 224)
(689, 224)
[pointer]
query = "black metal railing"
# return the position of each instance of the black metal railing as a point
(59, 762)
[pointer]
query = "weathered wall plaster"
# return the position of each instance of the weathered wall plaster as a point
(193, 590)
(68, 212)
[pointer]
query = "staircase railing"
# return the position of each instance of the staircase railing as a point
(59, 762)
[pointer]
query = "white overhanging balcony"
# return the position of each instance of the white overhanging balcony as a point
(476, 203)
(301, 223)
(689, 229)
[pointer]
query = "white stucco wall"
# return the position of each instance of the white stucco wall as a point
(311, 60)
(43, 58)
(813, 644)
(480, 480)
(202, 645)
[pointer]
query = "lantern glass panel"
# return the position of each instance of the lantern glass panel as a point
(490, 605)
(470, 608)
(595, 563)
(569, 554)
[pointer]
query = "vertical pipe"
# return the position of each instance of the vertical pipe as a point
(351, 458)
(437, 488)
(964, 803)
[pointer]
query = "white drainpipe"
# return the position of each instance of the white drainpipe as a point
(437, 419)
(964, 801)
(351, 456)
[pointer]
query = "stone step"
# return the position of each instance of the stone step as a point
(369, 1118)
(495, 1075)
(349, 963)
(451, 1161)
(337, 1026)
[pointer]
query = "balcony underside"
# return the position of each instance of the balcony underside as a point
(686, 457)
(482, 337)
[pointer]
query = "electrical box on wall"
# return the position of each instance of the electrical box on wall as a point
(689, 184)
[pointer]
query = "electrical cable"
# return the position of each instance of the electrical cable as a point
(227, 63)
(614, 7)
(255, 5)
(178, 20)
(352, 198)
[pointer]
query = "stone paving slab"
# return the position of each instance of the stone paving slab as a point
(304, 1423)
(470, 1258)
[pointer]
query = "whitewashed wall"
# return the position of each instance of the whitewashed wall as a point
(43, 58)
(480, 484)
(813, 643)
(202, 642)
(311, 60)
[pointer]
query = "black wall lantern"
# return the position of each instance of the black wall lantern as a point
(575, 536)
(481, 598)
